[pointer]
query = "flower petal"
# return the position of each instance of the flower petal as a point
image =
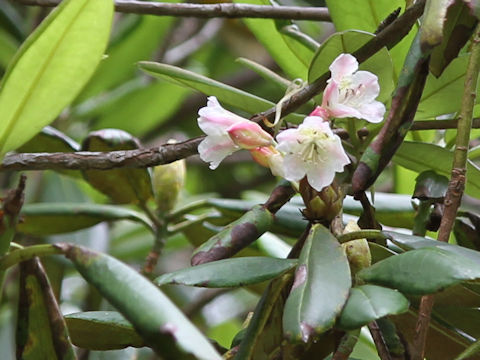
(343, 65)
(293, 167)
(214, 149)
(368, 85)
(373, 111)
(214, 119)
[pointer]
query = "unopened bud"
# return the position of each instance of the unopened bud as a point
(168, 180)
(357, 251)
(270, 157)
(249, 135)
(321, 205)
(320, 112)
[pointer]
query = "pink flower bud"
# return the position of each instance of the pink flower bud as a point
(249, 135)
(268, 156)
(320, 112)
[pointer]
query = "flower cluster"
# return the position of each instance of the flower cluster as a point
(312, 149)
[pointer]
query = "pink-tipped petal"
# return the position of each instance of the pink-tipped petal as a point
(249, 135)
(343, 65)
(214, 149)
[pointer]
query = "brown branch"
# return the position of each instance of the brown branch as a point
(82, 160)
(225, 10)
(440, 124)
(455, 186)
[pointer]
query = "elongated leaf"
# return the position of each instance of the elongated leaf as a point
(102, 330)
(367, 303)
(347, 42)
(235, 236)
(435, 158)
(123, 186)
(51, 68)
(464, 318)
(225, 93)
(423, 271)
(8, 48)
(143, 36)
(266, 32)
(150, 105)
(411, 242)
(41, 329)
(228, 272)
(264, 332)
(50, 140)
(322, 283)
(158, 321)
(57, 218)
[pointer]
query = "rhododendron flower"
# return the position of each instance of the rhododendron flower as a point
(352, 93)
(312, 150)
(216, 122)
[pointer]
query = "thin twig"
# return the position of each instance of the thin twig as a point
(82, 160)
(456, 185)
(225, 10)
(377, 336)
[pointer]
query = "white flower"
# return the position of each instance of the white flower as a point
(352, 93)
(226, 133)
(312, 150)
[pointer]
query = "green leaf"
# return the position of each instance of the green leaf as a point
(321, 287)
(347, 42)
(366, 15)
(158, 321)
(264, 334)
(266, 32)
(430, 186)
(265, 73)
(367, 303)
(226, 94)
(57, 218)
(51, 68)
(464, 318)
(50, 140)
(8, 48)
(435, 158)
(235, 236)
(437, 96)
(124, 186)
(150, 105)
(102, 330)
(139, 42)
(412, 242)
(423, 271)
(229, 272)
(41, 329)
